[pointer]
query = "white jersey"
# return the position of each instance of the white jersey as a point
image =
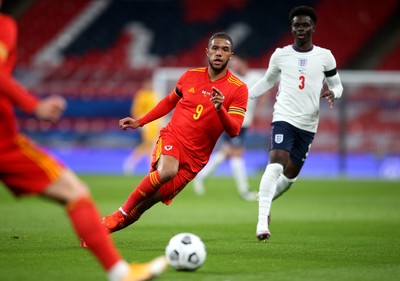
(301, 81)
(249, 79)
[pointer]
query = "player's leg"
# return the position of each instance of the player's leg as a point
(167, 168)
(282, 140)
(129, 163)
(164, 194)
(164, 165)
(284, 183)
(30, 170)
(85, 219)
(298, 155)
(120, 219)
(216, 160)
(239, 172)
(73, 193)
(266, 194)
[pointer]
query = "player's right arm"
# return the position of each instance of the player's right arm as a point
(49, 108)
(17, 94)
(8, 38)
(162, 108)
(268, 80)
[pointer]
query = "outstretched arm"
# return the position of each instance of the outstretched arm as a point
(49, 109)
(268, 80)
(264, 84)
(17, 94)
(161, 109)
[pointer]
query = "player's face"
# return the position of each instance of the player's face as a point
(219, 53)
(302, 29)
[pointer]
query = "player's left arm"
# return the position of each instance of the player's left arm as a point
(232, 118)
(335, 87)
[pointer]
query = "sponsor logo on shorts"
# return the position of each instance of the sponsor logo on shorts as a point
(168, 147)
(279, 138)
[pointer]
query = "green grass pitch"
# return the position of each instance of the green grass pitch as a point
(321, 230)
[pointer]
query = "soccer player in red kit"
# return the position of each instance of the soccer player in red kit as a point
(27, 169)
(207, 102)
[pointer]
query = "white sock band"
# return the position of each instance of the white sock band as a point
(118, 271)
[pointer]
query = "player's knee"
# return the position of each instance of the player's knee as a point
(279, 156)
(167, 173)
(67, 188)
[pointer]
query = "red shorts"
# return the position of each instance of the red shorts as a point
(167, 144)
(27, 169)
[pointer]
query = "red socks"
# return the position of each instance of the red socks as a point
(87, 224)
(149, 184)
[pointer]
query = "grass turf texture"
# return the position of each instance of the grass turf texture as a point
(321, 230)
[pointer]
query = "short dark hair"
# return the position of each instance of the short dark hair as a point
(303, 11)
(222, 35)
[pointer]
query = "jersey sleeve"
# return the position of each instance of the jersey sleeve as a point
(161, 109)
(179, 84)
(269, 79)
(8, 42)
(232, 119)
(165, 105)
(17, 94)
(332, 77)
(330, 62)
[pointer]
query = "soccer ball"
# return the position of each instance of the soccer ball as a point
(185, 252)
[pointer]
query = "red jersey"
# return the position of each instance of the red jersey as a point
(11, 93)
(195, 123)
(8, 41)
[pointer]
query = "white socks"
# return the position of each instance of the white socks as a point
(283, 185)
(239, 174)
(266, 193)
(118, 271)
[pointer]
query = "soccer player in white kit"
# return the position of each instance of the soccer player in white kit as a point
(303, 68)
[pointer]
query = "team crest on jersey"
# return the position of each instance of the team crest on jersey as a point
(168, 147)
(279, 138)
(302, 62)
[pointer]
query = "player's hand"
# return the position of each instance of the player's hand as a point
(329, 96)
(217, 98)
(50, 108)
(128, 122)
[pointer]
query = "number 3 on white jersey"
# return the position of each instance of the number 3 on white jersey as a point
(302, 79)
